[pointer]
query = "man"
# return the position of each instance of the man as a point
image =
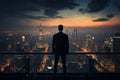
(60, 46)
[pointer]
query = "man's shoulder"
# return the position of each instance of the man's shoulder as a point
(55, 34)
(60, 34)
(65, 34)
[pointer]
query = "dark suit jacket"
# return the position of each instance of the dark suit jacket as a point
(60, 43)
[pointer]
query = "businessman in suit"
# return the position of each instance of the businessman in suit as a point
(60, 46)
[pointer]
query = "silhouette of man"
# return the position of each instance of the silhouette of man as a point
(60, 46)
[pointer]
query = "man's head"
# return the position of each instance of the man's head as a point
(60, 27)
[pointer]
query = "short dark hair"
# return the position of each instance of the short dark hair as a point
(60, 27)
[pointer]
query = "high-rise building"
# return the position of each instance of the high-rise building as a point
(116, 43)
(41, 44)
(75, 34)
(75, 41)
(108, 45)
(41, 36)
(89, 43)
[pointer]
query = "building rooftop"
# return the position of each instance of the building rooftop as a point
(80, 66)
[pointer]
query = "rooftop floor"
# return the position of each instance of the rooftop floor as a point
(95, 66)
(22, 76)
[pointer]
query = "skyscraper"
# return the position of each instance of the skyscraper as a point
(41, 44)
(116, 43)
(41, 36)
(89, 42)
(108, 45)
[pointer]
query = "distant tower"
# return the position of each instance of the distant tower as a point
(41, 33)
(41, 44)
(75, 34)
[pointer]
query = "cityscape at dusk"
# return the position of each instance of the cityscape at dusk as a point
(27, 28)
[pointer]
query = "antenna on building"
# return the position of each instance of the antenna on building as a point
(75, 33)
(40, 27)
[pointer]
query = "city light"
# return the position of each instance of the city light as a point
(42, 43)
(23, 38)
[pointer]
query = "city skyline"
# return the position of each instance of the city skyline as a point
(22, 14)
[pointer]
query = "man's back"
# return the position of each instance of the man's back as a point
(60, 43)
(60, 46)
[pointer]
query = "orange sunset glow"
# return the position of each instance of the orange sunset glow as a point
(78, 22)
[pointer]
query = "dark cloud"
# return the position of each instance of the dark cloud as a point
(51, 8)
(13, 6)
(101, 20)
(110, 15)
(82, 10)
(16, 10)
(33, 17)
(60, 4)
(59, 17)
(117, 5)
(97, 5)
(51, 12)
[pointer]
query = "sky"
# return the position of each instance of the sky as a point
(79, 13)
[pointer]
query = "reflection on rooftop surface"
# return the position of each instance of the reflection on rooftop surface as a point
(39, 63)
(43, 63)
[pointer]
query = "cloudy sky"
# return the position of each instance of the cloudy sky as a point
(82, 13)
